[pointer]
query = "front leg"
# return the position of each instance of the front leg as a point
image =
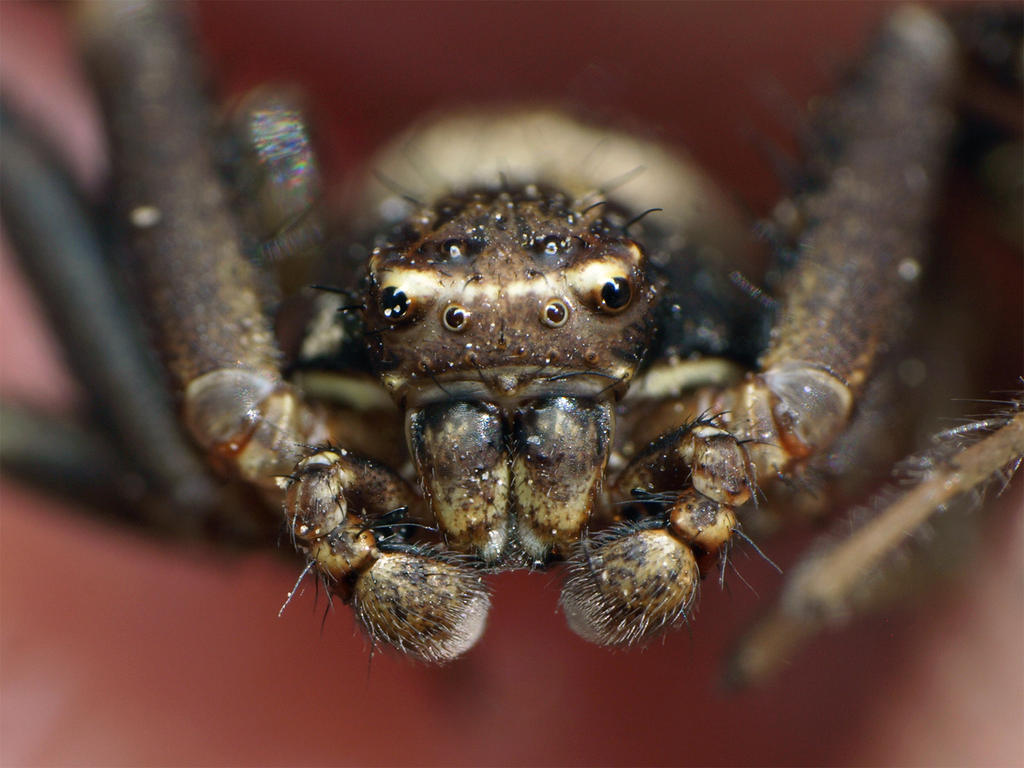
(204, 312)
(861, 249)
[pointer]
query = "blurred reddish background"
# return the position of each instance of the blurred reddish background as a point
(119, 650)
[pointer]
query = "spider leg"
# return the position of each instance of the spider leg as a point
(61, 250)
(204, 313)
(861, 248)
(58, 454)
(860, 252)
(840, 578)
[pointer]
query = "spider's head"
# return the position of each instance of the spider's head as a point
(506, 295)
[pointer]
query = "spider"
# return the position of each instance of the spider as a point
(381, 303)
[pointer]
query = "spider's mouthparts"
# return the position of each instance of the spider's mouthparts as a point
(504, 484)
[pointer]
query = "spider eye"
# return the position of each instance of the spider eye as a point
(615, 294)
(607, 284)
(455, 317)
(394, 304)
(548, 246)
(453, 249)
(554, 314)
(555, 247)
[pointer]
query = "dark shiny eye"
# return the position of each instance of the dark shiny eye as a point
(394, 304)
(615, 294)
(554, 314)
(455, 317)
(462, 248)
(453, 249)
(550, 246)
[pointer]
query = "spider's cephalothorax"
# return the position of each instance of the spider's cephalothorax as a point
(506, 296)
(507, 323)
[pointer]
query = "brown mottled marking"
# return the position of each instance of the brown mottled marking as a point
(562, 448)
(627, 585)
(460, 455)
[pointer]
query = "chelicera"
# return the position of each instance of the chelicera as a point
(572, 381)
